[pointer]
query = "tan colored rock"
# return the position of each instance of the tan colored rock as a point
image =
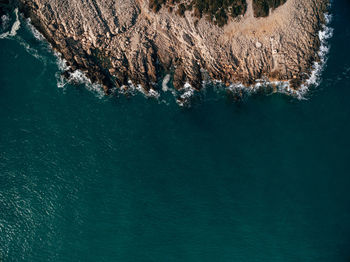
(140, 43)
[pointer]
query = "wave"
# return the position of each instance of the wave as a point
(133, 89)
(187, 93)
(30, 50)
(13, 35)
(5, 20)
(34, 31)
(16, 25)
(76, 77)
(61, 62)
(318, 67)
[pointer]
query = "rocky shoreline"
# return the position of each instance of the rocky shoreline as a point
(116, 43)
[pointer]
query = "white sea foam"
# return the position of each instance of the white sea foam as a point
(282, 87)
(33, 52)
(153, 93)
(76, 77)
(132, 89)
(12, 34)
(150, 94)
(186, 94)
(16, 25)
(79, 77)
(165, 82)
(34, 31)
(5, 20)
(165, 86)
(317, 68)
(61, 62)
(61, 81)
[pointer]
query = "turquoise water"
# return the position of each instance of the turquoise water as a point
(84, 178)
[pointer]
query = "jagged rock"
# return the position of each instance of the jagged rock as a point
(120, 40)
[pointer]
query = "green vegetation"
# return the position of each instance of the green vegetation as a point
(262, 7)
(217, 11)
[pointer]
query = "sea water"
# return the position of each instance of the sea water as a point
(84, 177)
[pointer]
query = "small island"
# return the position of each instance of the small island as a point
(124, 43)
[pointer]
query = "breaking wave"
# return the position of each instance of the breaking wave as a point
(16, 25)
(34, 31)
(187, 93)
(79, 78)
(324, 35)
(32, 51)
(76, 77)
(132, 89)
(12, 34)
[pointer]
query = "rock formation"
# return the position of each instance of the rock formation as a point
(116, 42)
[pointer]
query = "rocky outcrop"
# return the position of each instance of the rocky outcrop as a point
(118, 41)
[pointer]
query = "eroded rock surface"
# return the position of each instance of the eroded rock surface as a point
(116, 41)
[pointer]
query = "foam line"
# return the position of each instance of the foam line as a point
(16, 25)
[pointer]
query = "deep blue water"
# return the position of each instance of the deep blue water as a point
(84, 178)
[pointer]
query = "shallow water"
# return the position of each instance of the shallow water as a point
(85, 178)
